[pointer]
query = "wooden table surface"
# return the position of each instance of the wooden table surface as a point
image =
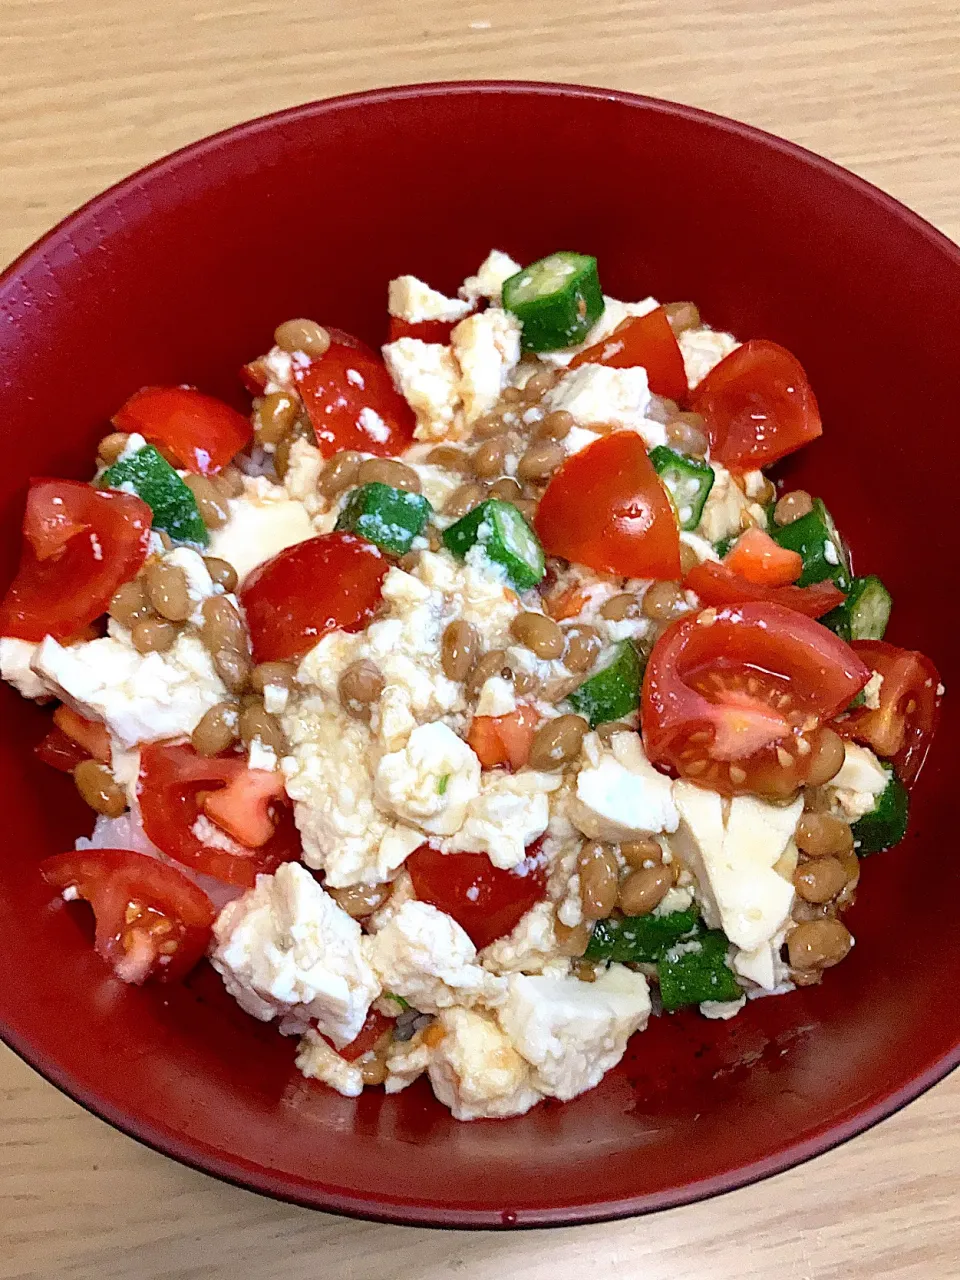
(92, 90)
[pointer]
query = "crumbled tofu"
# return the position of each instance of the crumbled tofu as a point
(723, 508)
(263, 522)
(423, 955)
(620, 795)
(734, 860)
(854, 791)
(613, 315)
(596, 393)
(476, 1072)
(316, 1060)
(304, 465)
(579, 438)
(430, 782)
(496, 698)
(428, 377)
(573, 1032)
(199, 583)
(763, 966)
(722, 1010)
(260, 756)
(509, 812)
(140, 697)
(16, 657)
(699, 546)
(406, 1062)
(488, 282)
(125, 767)
(871, 690)
(286, 949)
(412, 300)
(436, 483)
(529, 948)
(486, 347)
(702, 350)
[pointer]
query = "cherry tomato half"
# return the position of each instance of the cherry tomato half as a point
(643, 340)
(152, 922)
(718, 585)
(426, 330)
(756, 557)
(201, 432)
(758, 405)
(486, 901)
(79, 545)
(504, 740)
(606, 508)
(734, 698)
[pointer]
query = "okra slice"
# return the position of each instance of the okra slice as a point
(390, 518)
(506, 539)
(557, 300)
(148, 474)
(613, 692)
(687, 480)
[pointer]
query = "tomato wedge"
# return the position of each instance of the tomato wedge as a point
(172, 788)
(152, 922)
(734, 698)
(902, 727)
(328, 583)
(756, 557)
(717, 585)
(643, 340)
(426, 330)
(91, 735)
(79, 545)
(758, 405)
(504, 740)
(352, 402)
(374, 1027)
(201, 432)
(60, 752)
(486, 901)
(606, 508)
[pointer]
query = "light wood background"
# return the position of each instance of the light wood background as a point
(91, 89)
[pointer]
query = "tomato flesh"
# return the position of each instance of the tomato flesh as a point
(375, 1025)
(60, 752)
(201, 432)
(606, 508)
(758, 405)
(172, 790)
(735, 698)
(91, 735)
(756, 557)
(902, 727)
(486, 901)
(643, 340)
(152, 921)
(328, 583)
(504, 740)
(90, 542)
(438, 331)
(352, 402)
(718, 585)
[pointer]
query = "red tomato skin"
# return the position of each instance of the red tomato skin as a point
(758, 405)
(643, 340)
(890, 730)
(438, 331)
(91, 735)
(606, 508)
(60, 752)
(756, 557)
(718, 585)
(328, 583)
(110, 879)
(170, 777)
(203, 433)
(504, 740)
(499, 898)
(374, 1027)
(337, 387)
(822, 672)
(65, 591)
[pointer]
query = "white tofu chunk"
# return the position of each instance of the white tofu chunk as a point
(509, 813)
(702, 350)
(734, 861)
(423, 955)
(724, 508)
(410, 299)
(488, 282)
(476, 1072)
(595, 393)
(529, 948)
(573, 1032)
(316, 1060)
(286, 949)
(16, 658)
(496, 698)
(486, 347)
(430, 782)
(262, 523)
(854, 791)
(428, 377)
(622, 796)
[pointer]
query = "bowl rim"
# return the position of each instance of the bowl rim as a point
(397, 1210)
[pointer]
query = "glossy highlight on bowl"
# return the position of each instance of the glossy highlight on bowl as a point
(180, 274)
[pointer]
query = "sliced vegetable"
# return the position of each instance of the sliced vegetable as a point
(607, 509)
(717, 585)
(865, 612)
(328, 583)
(153, 479)
(485, 900)
(643, 340)
(557, 300)
(506, 539)
(59, 751)
(503, 740)
(639, 939)
(758, 405)
(375, 1025)
(79, 545)
(687, 480)
(886, 824)
(756, 557)
(614, 691)
(92, 735)
(814, 536)
(390, 518)
(901, 728)
(426, 330)
(696, 970)
(152, 922)
(201, 432)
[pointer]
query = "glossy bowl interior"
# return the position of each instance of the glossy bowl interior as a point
(180, 274)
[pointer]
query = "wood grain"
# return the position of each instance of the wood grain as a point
(93, 90)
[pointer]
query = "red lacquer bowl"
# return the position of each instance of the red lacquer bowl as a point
(181, 273)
